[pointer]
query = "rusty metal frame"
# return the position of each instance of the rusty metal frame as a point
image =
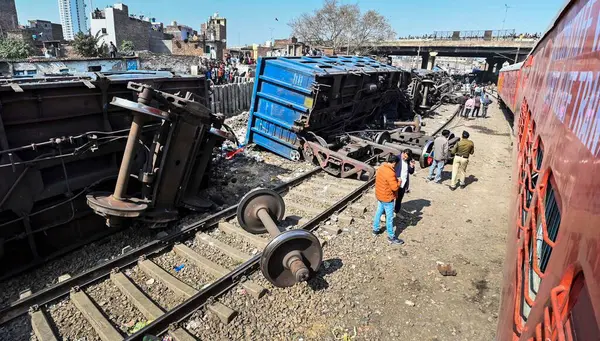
(338, 164)
(59, 290)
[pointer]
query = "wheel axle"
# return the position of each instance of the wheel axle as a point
(290, 255)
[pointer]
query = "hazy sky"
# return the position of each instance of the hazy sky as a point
(252, 21)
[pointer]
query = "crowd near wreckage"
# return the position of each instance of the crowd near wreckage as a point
(137, 146)
(343, 112)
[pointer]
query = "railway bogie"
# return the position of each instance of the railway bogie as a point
(60, 138)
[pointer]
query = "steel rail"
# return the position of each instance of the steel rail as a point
(218, 288)
(225, 283)
(59, 290)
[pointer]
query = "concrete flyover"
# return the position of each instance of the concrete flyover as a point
(496, 51)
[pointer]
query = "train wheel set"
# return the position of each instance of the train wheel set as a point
(161, 144)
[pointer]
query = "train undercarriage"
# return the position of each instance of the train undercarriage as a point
(66, 143)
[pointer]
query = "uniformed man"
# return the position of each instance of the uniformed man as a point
(462, 150)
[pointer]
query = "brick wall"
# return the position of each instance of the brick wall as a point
(134, 30)
(187, 49)
(158, 43)
(22, 35)
(8, 15)
(57, 32)
(41, 28)
(176, 64)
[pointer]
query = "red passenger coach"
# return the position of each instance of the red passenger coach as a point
(552, 269)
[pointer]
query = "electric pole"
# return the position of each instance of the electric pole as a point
(506, 7)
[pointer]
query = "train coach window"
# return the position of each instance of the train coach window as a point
(553, 217)
(539, 157)
(539, 251)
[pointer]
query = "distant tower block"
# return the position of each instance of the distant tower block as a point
(72, 17)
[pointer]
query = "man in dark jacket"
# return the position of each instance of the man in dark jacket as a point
(404, 168)
(440, 155)
(112, 50)
(477, 106)
(486, 103)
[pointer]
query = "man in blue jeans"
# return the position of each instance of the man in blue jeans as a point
(386, 189)
(440, 155)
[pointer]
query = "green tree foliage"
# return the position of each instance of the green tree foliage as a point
(14, 49)
(87, 45)
(127, 46)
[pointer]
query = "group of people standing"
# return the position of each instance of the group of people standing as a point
(220, 72)
(392, 178)
(441, 153)
(475, 103)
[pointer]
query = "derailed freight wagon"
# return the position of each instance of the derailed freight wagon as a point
(340, 112)
(301, 104)
(60, 138)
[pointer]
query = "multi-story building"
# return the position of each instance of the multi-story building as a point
(45, 30)
(114, 24)
(8, 16)
(214, 36)
(180, 32)
(72, 17)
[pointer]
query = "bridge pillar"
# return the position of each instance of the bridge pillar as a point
(489, 64)
(431, 61)
(499, 65)
(424, 60)
(488, 74)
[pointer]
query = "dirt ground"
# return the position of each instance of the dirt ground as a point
(367, 289)
(395, 292)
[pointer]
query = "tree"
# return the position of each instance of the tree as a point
(14, 49)
(88, 46)
(339, 26)
(127, 47)
(371, 28)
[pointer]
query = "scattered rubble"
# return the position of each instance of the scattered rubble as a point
(445, 269)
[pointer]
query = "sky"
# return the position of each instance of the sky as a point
(253, 21)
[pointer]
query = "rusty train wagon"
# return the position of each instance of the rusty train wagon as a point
(551, 289)
(60, 138)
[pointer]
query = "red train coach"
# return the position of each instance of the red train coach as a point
(508, 83)
(552, 269)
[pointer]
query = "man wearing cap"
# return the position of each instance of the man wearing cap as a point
(461, 150)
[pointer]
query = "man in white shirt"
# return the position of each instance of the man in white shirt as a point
(469, 106)
(403, 168)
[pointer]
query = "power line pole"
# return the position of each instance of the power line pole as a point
(505, 14)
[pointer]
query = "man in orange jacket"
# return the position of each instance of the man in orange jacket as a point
(386, 189)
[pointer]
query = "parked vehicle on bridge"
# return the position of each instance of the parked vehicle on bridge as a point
(552, 268)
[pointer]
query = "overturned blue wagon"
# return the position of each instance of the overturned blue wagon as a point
(301, 105)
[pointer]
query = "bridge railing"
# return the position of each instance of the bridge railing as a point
(476, 35)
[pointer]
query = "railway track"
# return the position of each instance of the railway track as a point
(167, 280)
